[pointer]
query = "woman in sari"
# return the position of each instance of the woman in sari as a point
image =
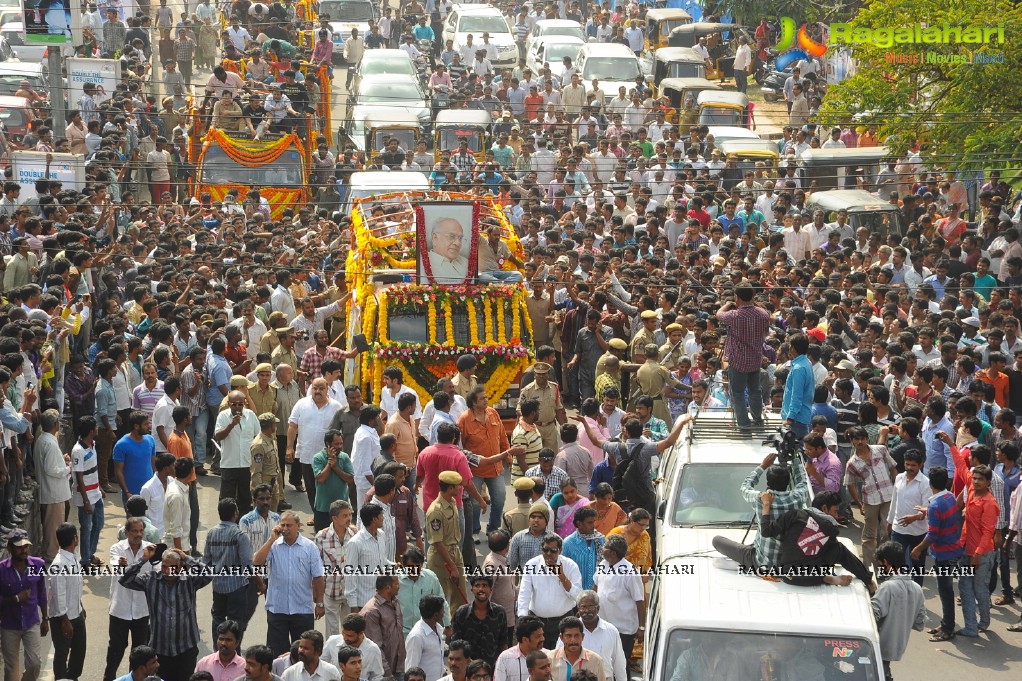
(635, 533)
(564, 504)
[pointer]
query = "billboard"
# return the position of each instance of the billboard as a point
(30, 166)
(106, 73)
(52, 22)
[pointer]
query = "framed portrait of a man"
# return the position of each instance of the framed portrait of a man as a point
(448, 238)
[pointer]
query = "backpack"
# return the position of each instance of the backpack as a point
(629, 488)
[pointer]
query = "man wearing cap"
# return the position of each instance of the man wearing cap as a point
(650, 379)
(551, 410)
(517, 519)
(265, 458)
(748, 326)
(645, 335)
(673, 349)
(443, 533)
(235, 430)
(23, 607)
(465, 380)
(616, 349)
(262, 396)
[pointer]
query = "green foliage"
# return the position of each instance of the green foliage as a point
(966, 115)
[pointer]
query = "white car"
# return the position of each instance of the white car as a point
(474, 20)
(346, 15)
(559, 27)
(612, 64)
(397, 93)
(384, 62)
(551, 51)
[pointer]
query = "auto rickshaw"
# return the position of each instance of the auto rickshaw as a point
(660, 23)
(677, 91)
(677, 62)
(839, 168)
(454, 125)
(747, 152)
(723, 107)
(381, 125)
(722, 52)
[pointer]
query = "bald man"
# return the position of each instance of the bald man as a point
(236, 428)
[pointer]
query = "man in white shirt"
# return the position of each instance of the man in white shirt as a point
(177, 510)
(549, 593)
(238, 35)
(364, 555)
(353, 633)
(236, 427)
(621, 592)
(311, 664)
(601, 637)
(635, 37)
(129, 610)
(424, 644)
(458, 407)
(394, 387)
(743, 64)
(67, 616)
(306, 428)
(154, 491)
(365, 448)
(911, 492)
(163, 412)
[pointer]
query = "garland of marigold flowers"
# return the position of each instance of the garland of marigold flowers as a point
(473, 322)
(449, 322)
(488, 321)
(516, 319)
(501, 323)
(252, 153)
(431, 322)
(383, 317)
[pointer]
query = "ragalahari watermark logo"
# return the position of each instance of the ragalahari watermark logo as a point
(974, 42)
(795, 45)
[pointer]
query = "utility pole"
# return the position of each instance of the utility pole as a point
(56, 75)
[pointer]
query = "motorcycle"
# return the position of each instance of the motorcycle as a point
(441, 99)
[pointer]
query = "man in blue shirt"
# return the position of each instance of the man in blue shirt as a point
(422, 31)
(142, 663)
(799, 388)
(218, 374)
(938, 453)
(133, 455)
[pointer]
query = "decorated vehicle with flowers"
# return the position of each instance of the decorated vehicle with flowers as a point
(423, 326)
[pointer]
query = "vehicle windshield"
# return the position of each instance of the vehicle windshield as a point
(10, 83)
(713, 115)
(405, 325)
(878, 222)
(405, 138)
(562, 30)
(13, 118)
(347, 10)
(611, 68)
(741, 656)
(681, 69)
(749, 163)
(450, 138)
(669, 25)
(556, 52)
(709, 494)
(387, 93)
(219, 168)
(482, 23)
(395, 66)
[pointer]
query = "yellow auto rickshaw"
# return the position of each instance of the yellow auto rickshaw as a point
(660, 23)
(749, 152)
(723, 107)
(383, 125)
(677, 62)
(720, 43)
(680, 90)
(454, 125)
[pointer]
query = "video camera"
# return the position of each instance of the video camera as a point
(787, 443)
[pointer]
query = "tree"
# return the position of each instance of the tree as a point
(967, 116)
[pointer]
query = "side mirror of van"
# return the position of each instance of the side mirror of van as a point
(661, 510)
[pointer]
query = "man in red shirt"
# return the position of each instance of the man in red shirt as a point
(981, 540)
(445, 455)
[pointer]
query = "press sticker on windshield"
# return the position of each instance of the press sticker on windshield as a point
(864, 660)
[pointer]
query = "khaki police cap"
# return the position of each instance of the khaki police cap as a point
(265, 366)
(541, 368)
(673, 327)
(450, 478)
(522, 484)
(648, 314)
(239, 382)
(618, 344)
(266, 418)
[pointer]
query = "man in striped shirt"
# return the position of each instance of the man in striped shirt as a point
(171, 598)
(228, 548)
(944, 541)
(747, 325)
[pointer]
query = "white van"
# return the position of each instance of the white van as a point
(706, 622)
(702, 474)
(612, 64)
(367, 183)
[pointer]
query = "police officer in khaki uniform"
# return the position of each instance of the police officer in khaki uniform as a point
(551, 411)
(673, 350)
(644, 336)
(517, 519)
(285, 352)
(262, 394)
(465, 381)
(270, 340)
(443, 534)
(650, 379)
(265, 468)
(617, 349)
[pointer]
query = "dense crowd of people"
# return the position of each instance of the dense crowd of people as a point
(153, 343)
